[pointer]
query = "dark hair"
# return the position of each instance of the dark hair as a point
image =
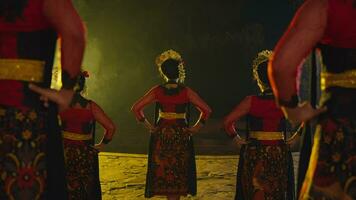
(170, 69)
(261, 76)
(80, 83)
(263, 73)
(12, 9)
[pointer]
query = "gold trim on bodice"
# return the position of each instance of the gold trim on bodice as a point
(76, 136)
(22, 70)
(171, 115)
(264, 135)
(345, 79)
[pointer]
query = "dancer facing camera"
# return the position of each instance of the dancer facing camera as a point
(78, 131)
(171, 160)
(265, 169)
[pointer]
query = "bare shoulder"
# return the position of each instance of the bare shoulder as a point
(312, 15)
(94, 106)
(154, 88)
(315, 3)
(314, 7)
(248, 98)
(189, 90)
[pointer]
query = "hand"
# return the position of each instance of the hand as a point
(302, 113)
(295, 137)
(63, 97)
(153, 129)
(292, 140)
(194, 129)
(150, 127)
(229, 127)
(239, 141)
(99, 146)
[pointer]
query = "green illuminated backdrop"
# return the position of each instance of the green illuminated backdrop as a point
(217, 39)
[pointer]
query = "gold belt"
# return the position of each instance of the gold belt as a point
(264, 135)
(76, 136)
(22, 70)
(171, 115)
(345, 79)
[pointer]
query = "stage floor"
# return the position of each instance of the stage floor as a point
(123, 176)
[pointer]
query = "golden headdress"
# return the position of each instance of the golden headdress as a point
(171, 54)
(262, 57)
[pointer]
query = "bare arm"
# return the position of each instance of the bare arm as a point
(65, 19)
(239, 111)
(103, 120)
(62, 98)
(306, 29)
(204, 109)
(138, 107)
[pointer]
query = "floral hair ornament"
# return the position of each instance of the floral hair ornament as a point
(85, 74)
(81, 79)
(171, 54)
(262, 57)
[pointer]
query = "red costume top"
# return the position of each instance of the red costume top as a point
(339, 31)
(174, 100)
(28, 37)
(341, 26)
(77, 120)
(264, 115)
(338, 50)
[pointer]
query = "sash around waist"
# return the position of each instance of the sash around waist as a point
(346, 79)
(22, 70)
(76, 136)
(171, 115)
(15, 74)
(265, 135)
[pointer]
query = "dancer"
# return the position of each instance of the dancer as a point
(330, 26)
(265, 169)
(78, 128)
(31, 154)
(171, 161)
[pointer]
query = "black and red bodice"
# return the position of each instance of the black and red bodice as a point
(172, 106)
(28, 37)
(338, 50)
(264, 115)
(266, 121)
(341, 25)
(78, 123)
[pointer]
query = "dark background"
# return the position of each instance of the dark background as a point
(217, 38)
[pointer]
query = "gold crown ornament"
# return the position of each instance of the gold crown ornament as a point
(262, 57)
(171, 54)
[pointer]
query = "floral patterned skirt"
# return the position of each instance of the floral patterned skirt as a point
(332, 169)
(171, 164)
(82, 168)
(331, 173)
(23, 170)
(265, 172)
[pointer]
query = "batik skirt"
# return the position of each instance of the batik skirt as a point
(265, 172)
(23, 171)
(82, 170)
(171, 164)
(331, 172)
(332, 168)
